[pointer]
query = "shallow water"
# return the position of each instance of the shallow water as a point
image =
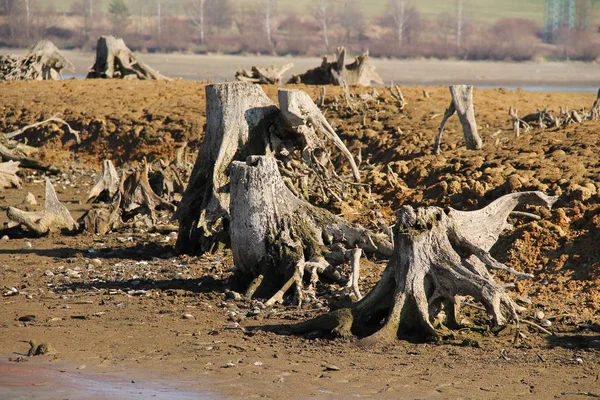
(42, 380)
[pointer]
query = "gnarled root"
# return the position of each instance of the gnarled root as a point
(103, 218)
(54, 217)
(438, 257)
(8, 175)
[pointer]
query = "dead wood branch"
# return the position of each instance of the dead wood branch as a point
(19, 152)
(103, 218)
(138, 195)
(54, 217)
(271, 75)
(397, 94)
(462, 104)
(437, 258)
(53, 118)
(42, 62)
(115, 60)
(336, 72)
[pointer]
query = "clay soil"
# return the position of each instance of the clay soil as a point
(125, 302)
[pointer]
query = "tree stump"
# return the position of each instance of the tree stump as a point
(8, 175)
(243, 121)
(267, 76)
(54, 217)
(277, 238)
(108, 184)
(336, 72)
(115, 60)
(438, 256)
(42, 62)
(462, 103)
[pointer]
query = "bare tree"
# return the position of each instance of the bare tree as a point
(351, 18)
(459, 23)
(196, 14)
(27, 19)
(158, 16)
(268, 14)
(400, 15)
(218, 14)
(323, 14)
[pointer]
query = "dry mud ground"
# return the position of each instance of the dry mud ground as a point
(116, 303)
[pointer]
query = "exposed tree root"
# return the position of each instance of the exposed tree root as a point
(54, 217)
(42, 62)
(267, 76)
(108, 184)
(115, 60)
(437, 258)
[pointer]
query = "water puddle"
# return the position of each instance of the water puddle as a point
(41, 380)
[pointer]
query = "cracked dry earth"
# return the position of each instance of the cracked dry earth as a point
(124, 303)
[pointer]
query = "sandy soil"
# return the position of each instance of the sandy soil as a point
(118, 302)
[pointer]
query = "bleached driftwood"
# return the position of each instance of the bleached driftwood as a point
(103, 218)
(438, 257)
(276, 237)
(115, 60)
(53, 118)
(462, 104)
(8, 175)
(22, 153)
(137, 193)
(336, 72)
(42, 62)
(54, 217)
(271, 75)
(108, 184)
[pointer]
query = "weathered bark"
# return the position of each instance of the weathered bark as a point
(115, 60)
(42, 62)
(53, 118)
(336, 72)
(103, 218)
(462, 103)
(277, 237)
(8, 175)
(108, 184)
(267, 76)
(54, 217)
(437, 257)
(237, 119)
(243, 121)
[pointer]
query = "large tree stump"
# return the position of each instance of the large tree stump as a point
(267, 76)
(115, 60)
(438, 257)
(336, 72)
(462, 104)
(243, 121)
(54, 217)
(42, 62)
(277, 238)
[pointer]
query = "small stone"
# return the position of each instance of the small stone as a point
(5, 238)
(28, 245)
(29, 200)
(188, 316)
(330, 367)
(228, 365)
(258, 363)
(579, 360)
(96, 262)
(546, 323)
(233, 295)
(539, 315)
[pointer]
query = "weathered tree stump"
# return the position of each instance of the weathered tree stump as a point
(438, 256)
(115, 60)
(336, 72)
(137, 194)
(462, 103)
(243, 121)
(103, 218)
(8, 175)
(277, 238)
(42, 62)
(54, 217)
(271, 75)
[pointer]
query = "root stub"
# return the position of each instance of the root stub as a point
(436, 259)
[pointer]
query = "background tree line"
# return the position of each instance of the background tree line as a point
(266, 27)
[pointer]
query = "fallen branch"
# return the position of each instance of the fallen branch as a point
(53, 118)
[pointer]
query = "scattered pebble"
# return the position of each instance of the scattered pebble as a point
(330, 367)
(188, 316)
(539, 315)
(28, 245)
(546, 323)
(258, 363)
(579, 360)
(5, 238)
(228, 365)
